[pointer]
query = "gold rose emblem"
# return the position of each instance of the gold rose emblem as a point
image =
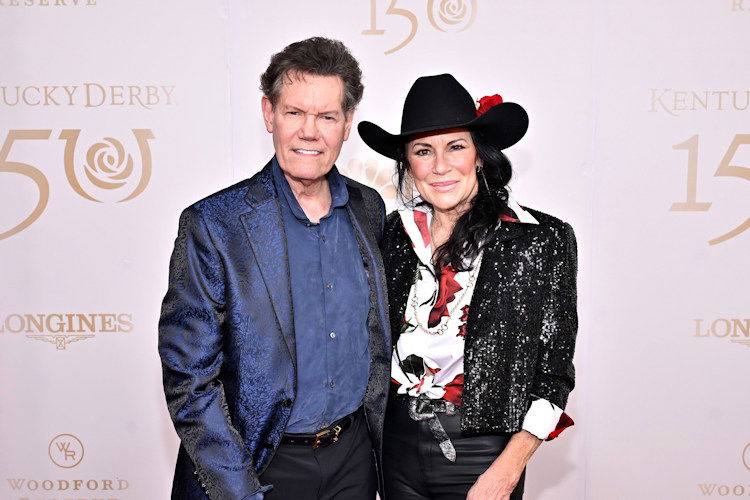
(452, 15)
(371, 174)
(108, 165)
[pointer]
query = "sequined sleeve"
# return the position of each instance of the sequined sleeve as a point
(554, 377)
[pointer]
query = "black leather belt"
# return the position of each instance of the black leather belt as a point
(326, 436)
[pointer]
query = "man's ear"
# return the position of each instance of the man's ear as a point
(348, 119)
(267, 108)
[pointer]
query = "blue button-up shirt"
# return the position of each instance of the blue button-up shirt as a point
(330, 299)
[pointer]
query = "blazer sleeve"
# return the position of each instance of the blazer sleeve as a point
(190, 347)
(555, 375)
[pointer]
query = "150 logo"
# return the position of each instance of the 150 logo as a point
(108, 172)
(725, 169)
(444, 15)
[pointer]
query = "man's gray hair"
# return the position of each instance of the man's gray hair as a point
(315, 56)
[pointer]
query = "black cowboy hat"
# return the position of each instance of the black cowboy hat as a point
(440, 102)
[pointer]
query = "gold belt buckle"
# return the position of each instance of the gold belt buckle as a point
(336, 433)
(320, 435)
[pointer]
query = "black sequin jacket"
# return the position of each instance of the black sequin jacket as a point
(522, 319)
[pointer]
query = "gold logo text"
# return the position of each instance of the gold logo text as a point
(22, 483)
(674, 102)
(726, 168)
(62, 329)
(735, 329)
(87, 95)
(444, 15)
(48, 3)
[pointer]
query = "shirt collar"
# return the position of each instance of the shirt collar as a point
(519, 214)
(416, 217)
(336, 183)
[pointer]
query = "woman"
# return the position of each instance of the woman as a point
(482, 302)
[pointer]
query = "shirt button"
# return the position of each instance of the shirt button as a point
(323, 238)
(332, 335)
(329, 286)
(331, 383)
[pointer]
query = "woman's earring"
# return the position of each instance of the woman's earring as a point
(480, 171)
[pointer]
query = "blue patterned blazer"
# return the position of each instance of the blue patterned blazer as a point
(226, 335)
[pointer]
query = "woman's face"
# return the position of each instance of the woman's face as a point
(443, 166)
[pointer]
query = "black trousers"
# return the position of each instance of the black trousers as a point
(344, 470)
(415, 468)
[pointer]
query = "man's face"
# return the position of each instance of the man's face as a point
(308, 125)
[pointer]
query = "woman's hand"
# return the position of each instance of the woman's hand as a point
(499, 480)
(494, 484)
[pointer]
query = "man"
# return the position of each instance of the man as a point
(273, 334)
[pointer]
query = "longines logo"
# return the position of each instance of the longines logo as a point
(87, 95)
(735, 330)
(48, 3)
(107, 171)
(675, 102)
(65, 451)
(62, 329)
(444, 15)
(740, 489)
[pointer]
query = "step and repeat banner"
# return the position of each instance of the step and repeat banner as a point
(115, 115)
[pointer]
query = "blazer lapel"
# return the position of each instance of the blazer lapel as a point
(358, 215)
(509, 231)
(365, 229)
(264, 226)
(493, 264)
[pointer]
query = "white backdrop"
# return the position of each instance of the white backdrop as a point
(115, 115)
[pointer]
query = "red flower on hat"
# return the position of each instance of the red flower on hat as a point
(486, 102)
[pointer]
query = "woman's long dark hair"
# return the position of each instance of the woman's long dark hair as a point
(477, 223)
